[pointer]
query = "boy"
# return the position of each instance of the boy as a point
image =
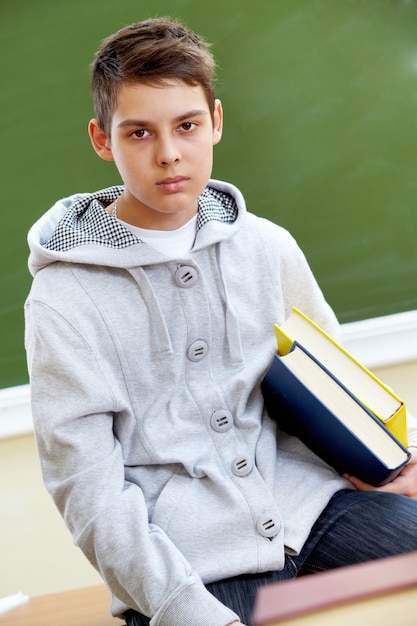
(149, 327)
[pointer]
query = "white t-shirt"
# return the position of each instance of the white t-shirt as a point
(175, 242)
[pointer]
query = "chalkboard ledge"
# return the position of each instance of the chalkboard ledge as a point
(15, 414)
(382, 341)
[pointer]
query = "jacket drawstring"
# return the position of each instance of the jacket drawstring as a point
(232, 321)
(160, 335)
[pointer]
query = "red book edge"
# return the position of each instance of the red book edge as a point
(307, 594)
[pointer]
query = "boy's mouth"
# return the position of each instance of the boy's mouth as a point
(173, 185)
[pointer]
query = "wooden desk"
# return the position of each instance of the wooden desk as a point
(89, 606)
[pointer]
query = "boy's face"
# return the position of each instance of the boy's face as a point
(162, 141)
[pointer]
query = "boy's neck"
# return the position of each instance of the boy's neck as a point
(154, 221)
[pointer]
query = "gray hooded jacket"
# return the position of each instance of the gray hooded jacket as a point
(148, 413)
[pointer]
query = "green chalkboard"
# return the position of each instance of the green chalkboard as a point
(320, 133)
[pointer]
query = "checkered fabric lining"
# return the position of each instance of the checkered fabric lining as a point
(87, 221)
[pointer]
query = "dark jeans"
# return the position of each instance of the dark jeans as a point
(356, 526)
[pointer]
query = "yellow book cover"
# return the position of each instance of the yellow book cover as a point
(360, 381)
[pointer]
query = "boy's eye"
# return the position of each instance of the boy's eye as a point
(187, 126)
(140, 133)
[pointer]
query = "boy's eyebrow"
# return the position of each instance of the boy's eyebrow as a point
(193, 113)
(177, 120)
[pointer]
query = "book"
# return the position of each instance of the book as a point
(307, 401)
(367, 387)
(382, 592)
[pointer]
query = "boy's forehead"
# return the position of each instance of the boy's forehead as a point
(171, 98)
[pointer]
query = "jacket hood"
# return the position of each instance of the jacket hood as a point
(78, 229)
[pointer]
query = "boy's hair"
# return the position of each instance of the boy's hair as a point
(149, 52)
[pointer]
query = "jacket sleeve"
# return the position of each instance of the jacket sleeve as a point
(83, 469)
(296, 283)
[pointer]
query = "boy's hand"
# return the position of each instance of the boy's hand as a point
(405, 483)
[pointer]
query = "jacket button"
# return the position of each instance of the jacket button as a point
(186, 276)
(242, 466)
(268, 525)
(197, 350)
(221, 421)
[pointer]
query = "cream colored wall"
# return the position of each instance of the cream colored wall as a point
(37, 554)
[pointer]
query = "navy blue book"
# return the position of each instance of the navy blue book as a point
(307, 401)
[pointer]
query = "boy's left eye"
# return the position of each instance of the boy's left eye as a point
(187, 126)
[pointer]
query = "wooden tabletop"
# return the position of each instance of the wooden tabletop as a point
(88, 606)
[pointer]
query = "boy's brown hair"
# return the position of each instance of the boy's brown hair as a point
(149, 52)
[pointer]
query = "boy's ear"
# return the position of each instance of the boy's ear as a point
(217, 122)
(99, 140)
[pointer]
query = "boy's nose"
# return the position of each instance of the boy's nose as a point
(168, 152)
